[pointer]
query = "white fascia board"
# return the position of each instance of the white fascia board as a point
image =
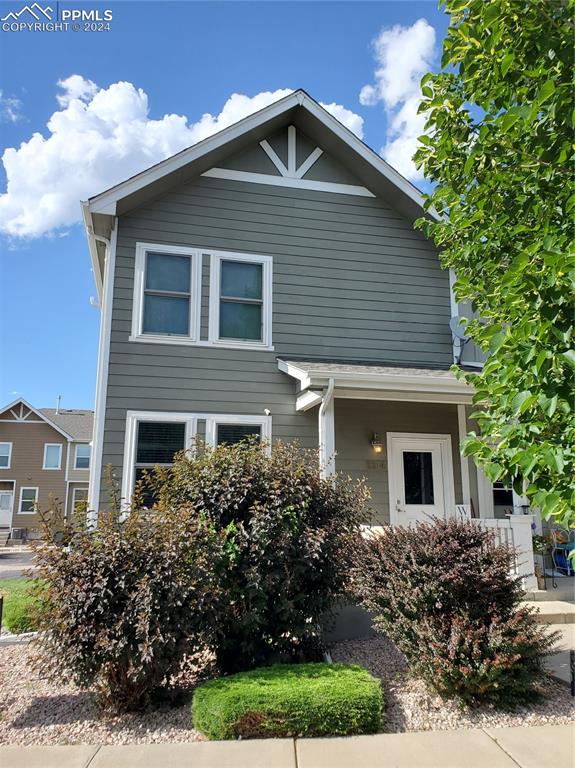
(89, 227)
(308, 399)
(105, 201)
(296, 373)
(386, 381)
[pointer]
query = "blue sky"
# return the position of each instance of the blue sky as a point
(188, 58)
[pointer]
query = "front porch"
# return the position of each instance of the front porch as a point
(400, 429)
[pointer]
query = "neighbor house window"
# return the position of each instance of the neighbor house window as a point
(79, 499)
(166, 293)
(240, 300)
(82, 457)
(52, 456)
(5, 455)
(28, 499)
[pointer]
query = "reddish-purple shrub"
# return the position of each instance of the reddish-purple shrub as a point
(445, 594)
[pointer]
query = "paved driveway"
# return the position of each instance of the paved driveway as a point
(14, 561)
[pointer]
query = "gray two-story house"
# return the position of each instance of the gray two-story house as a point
(269, 280)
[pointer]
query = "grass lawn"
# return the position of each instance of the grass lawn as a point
(19, 604)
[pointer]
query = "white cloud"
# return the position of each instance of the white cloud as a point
(403, 56)
(99, 137)
(10, 109)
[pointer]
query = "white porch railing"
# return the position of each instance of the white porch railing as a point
(513, 531)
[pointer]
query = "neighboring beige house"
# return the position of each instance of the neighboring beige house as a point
(44, 460)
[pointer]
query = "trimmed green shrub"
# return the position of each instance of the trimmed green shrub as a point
(125, 603)
(21, 601)
(290, 538)
(289, 700)
(445, 594)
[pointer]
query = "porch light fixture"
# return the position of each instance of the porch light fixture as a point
(376, 443)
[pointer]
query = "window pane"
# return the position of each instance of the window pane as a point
(52, 456)
(241, 280)
(4, 454)
(147, 495)
(82, 457)
(158, 441)
(234, 433)
(28, 499)
(418, 477)
(168, 273)
(240, 321)
(166, 314)
(80, 498)
(502, 496)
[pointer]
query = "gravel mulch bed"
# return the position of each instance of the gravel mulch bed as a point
(412, 706)
(34, 711)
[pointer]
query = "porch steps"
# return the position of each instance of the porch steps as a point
(4, 533)
(553, 611)
(564, 591)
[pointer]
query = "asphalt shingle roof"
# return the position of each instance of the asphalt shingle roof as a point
(75, 422)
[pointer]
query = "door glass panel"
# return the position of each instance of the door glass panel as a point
(418, 477)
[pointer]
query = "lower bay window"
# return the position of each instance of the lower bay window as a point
(153, 438)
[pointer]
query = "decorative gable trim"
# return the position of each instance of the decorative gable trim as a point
(290, 175)
(287, 181)
(21, 417)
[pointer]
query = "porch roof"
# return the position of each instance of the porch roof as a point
(367, 380)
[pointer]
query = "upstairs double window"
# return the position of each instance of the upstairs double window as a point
(168, 289)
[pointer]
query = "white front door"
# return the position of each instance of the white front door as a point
(6, 508)
(420, 471)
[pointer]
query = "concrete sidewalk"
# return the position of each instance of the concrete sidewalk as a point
(549, 746)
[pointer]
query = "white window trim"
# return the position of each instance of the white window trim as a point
(191, 422)
(212, 421)
(132, 420)
(195, 293)
(52, 469)
(216, 258)
(5, 442)
(76, 467)
(28, 488)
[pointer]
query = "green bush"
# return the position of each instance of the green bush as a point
(125, 603)
(289, 700)
(290, 537)
(445, 594)
(21, 601)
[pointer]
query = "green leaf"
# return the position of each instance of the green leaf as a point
(506, 63)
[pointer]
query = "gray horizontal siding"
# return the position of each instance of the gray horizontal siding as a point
(351, 279)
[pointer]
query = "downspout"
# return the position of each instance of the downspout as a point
(325, 403)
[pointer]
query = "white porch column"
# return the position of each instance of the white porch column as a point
(522, 539)
(485, 493)
(462, 424)
(327, 432)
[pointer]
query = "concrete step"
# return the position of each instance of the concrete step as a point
(558, 664)
(554, 611)
(565, 591)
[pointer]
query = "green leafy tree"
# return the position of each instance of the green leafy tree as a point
(500, 147)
